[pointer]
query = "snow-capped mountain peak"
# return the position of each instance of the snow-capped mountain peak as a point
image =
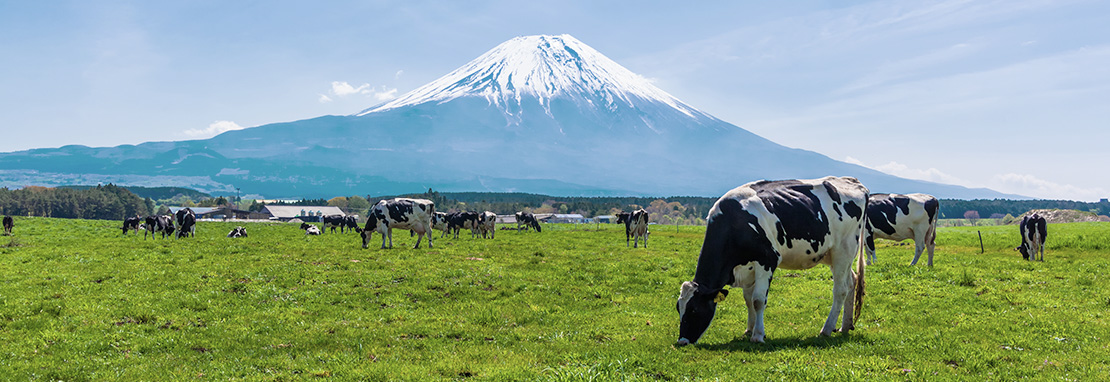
(538, 69)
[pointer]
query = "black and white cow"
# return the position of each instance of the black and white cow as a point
(899, 217)
(310, 229)
(459, 220)
(527, 220)
(487, 224)
(1034, 230)
(762, 226)
(350, 222)
(439, 222)
(344, 223)
(401, 213)
(132, 224)
(159, 223)
(237, 232)
(635, 226)
(9, 225)
(186, 223)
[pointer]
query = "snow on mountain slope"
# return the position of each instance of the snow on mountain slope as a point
(538, 69)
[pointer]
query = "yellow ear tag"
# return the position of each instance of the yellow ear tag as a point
(720, 297)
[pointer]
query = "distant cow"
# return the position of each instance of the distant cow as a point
(310, 229)
(899, 217)
(401, 213)
(238, 232)
(460, 220)
(186, 223)
(1034, 230)
(132, 223)
(526, 219)
(635, 226)
(159, 223)
(486, 224)
(439, 222)
(344, 223)
(761, 226)
(9, 224)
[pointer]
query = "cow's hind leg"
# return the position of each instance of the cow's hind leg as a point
(931, 241)
(919, 241)
(843, 285)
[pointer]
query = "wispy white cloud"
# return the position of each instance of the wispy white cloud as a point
(1030, 185)
(342, 89)
(214, 129)
(904, 171)
(398, 75)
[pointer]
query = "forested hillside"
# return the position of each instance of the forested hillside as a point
(99, 202)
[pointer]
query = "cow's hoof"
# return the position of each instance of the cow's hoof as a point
(757, 339)
(683, 342)
(825, 334)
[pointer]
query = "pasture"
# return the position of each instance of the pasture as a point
(78, 301)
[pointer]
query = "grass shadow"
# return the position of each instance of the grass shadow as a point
(779, 344)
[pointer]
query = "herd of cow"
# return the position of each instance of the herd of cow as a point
(751, 231)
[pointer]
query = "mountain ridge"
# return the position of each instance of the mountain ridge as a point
(564, 120)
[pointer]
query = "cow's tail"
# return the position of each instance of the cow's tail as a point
(861, 263)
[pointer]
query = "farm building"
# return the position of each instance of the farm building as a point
(224, 213)
(305, 213)
(605, 219)
(562, 218)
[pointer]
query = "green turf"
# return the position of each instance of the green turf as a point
(80, 302)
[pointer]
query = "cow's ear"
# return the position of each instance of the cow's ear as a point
(721, 294)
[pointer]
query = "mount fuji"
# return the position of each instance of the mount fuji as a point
(539, 114)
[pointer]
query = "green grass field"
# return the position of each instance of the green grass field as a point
(80, 302)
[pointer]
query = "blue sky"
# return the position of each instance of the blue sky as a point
(1010, 95)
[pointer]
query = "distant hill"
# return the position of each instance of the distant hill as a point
(156, 193)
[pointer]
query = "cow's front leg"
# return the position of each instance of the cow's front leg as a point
(758, 303)
(751, 309)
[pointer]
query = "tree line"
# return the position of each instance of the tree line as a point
(116, 202)
(108, 202)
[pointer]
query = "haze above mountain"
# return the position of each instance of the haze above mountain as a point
(541, 114)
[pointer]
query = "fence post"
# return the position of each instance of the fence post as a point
(980, 242)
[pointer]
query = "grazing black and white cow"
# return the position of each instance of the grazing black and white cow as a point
(527, 220)
(237, 232)
(401, 213)
(759, 227)
(186, 223)
(1034, 230)
(132, 223)
(460, 220)
(350, 222)
(899, 217)
(159, 223)
(635, 226)
(439, 222)
(344, 223)
(9, 224)
(486, 224)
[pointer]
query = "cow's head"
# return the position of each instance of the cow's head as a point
(1024, 249)
(696, 307)
(623, 217)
